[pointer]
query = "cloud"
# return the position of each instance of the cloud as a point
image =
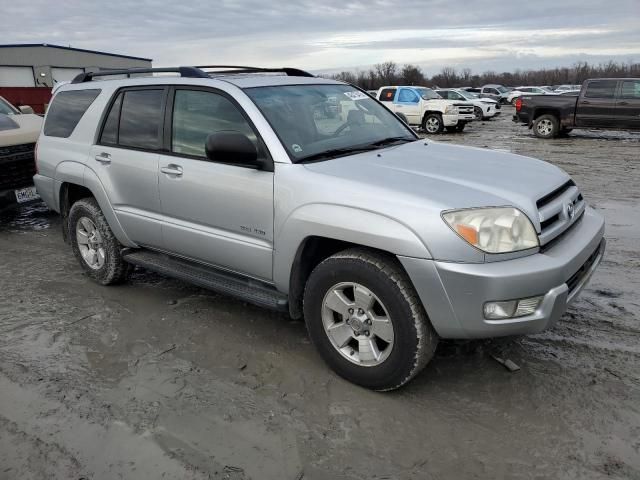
(336, 34)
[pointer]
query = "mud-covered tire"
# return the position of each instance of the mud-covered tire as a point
(432, 123)
(114, 269)
(546, 126)
(414, 339)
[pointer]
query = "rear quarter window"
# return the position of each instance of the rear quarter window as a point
(66, 110)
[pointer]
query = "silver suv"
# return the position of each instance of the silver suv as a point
(308, 196)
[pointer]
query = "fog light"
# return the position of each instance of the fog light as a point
(511, 308)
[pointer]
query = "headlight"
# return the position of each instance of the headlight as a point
(493, 230)
(450, 110)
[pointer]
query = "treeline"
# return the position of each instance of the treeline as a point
(390, 73)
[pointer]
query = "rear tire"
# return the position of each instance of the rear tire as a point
(366, 320)
(94, 244)
(546, 126)
(432, 123)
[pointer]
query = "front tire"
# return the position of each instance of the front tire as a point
(366, 320)
(94, 244)
(546, 126)
(478, 113)
(432, 123)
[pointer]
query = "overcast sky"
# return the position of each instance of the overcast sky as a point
(327, 35)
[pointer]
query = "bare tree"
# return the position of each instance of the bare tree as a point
(412, 75)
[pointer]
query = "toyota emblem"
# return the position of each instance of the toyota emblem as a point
(570, 211)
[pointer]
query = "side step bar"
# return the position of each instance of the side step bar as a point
(249, 290)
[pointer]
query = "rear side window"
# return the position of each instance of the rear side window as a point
(601, 89)
(110, 131)
(66, 110)
(141, 119)
(387, 95)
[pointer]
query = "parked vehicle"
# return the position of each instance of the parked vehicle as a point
(612, 103)
(495, 92)
(19, 130)
(519, 91)
(384, 242)
(565, 88)
(423, 107)
(483, 108)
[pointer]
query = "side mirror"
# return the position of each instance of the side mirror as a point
(26, 109)
(230, 146)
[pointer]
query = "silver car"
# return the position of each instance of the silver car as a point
(241, 181)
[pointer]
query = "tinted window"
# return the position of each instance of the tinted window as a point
(197, 114)
(110, 130)
(601, 89)
(141, 119)
(491, 91)
(408, 96)
(631, 89)
(387, 95)
(66, 110)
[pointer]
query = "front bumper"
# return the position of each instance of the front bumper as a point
(454, 293)
(450, 120)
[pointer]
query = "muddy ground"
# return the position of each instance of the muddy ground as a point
(158, 379)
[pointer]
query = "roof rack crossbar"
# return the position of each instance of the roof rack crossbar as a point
(292, 72)
(189, 72)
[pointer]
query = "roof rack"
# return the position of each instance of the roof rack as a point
(189, 72)
(227, 69)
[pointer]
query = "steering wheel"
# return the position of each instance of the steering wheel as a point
(341, 129)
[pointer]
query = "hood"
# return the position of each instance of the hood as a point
(19, 129)
(448, 176)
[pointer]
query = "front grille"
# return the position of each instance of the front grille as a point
(465, 109)
(17, 164)
(558, 210)
(575, 279)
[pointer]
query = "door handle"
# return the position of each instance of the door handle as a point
(104, 158)
(623, 103)
(585, 102)
(171, 169)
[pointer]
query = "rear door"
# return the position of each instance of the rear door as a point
(214, 212)
(408, 102)
(627, 111)
(126, 160)
(596, 107)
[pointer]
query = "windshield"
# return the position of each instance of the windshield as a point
(6, 108)
(428, 94)
(316, 122)
(468, 95)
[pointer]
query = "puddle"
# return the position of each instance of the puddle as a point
(34, 216)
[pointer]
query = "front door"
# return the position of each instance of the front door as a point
(126, 161)
(596, 108)
(628, 105)
(214, 212)
(408, 102)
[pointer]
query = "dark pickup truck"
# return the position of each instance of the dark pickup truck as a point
(612, 103)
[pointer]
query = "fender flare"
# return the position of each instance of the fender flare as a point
(347, 224)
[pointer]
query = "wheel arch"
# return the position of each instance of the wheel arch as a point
(315, 232)
(71, 189)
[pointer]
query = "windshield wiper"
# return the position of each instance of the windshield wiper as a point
(390, 140)
(336, 152)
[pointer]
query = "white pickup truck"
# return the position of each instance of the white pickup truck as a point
(423, 107)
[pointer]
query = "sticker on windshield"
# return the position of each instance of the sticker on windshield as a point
(356, 95)
(296, 148)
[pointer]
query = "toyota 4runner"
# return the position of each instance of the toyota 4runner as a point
(308, 196)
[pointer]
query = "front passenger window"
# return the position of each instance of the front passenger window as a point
(197, 114)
